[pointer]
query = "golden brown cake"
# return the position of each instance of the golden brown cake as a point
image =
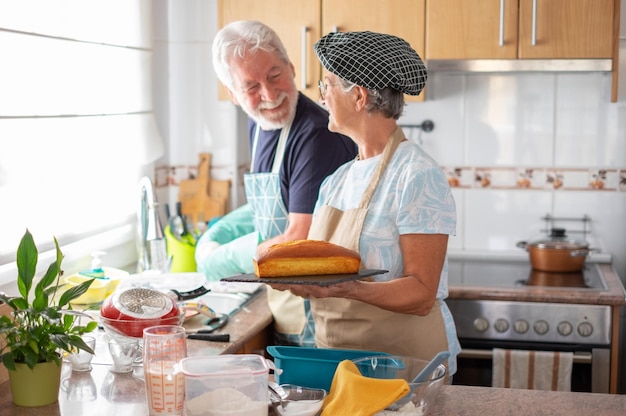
(306, 258)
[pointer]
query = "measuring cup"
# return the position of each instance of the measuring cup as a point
(163, 347)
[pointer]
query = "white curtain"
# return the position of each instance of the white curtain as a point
(77, 129)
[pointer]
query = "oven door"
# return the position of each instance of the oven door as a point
(590, 372)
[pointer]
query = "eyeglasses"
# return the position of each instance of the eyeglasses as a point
(323, 87)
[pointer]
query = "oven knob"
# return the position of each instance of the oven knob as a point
(585, 329)
(564, 328)
(521, 326)
(541, 327)
(501, 325)
(481, 324)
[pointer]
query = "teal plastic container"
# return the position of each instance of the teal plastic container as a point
(311, 367)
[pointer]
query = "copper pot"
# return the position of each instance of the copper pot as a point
(557, 253)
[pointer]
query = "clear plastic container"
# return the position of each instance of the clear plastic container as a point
(226, 385)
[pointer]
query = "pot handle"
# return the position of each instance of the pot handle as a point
(522, 244)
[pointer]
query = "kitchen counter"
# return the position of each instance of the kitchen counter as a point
(101, 392)
(481, 401)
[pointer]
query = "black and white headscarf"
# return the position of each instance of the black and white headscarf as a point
(373, 60)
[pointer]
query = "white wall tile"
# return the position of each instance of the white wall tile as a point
(509, 119)
(444, 106)
(497, 220)
(581, 130)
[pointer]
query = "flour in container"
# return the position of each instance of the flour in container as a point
(225, 402)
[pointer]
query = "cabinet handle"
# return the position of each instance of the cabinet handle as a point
(534, 36)
(501, 22)
(304, 60)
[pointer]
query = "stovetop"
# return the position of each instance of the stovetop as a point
(511, 274)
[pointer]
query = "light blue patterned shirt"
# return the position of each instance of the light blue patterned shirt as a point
(412, 197)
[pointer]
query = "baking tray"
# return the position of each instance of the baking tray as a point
(318, 280)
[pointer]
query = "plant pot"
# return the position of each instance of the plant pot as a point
(35, 387)
(557, 253)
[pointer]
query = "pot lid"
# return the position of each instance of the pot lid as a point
(559, 240)
(142, 303)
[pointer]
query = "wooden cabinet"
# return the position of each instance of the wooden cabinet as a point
(523, 29)
(301, 23)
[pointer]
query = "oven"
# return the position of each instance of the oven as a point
(506, 304)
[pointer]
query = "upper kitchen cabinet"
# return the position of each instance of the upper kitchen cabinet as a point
(402, 18)
(296, 22)
(301, 23)
(556, 30)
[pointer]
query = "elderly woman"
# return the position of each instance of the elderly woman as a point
(392, 204)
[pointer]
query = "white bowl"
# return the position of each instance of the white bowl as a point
(300, 401)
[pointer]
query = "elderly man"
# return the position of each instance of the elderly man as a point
(292, 152)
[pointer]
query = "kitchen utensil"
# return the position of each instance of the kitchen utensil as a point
(278, 393)
(557, 253)
(190, 294)
(164, 346)
(210, 337)
(129, 311)
(426, 372)
(421, 394)
(178, 223)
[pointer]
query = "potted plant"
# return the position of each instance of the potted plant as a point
(41, 327)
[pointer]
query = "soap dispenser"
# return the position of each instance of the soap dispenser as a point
(96, 270)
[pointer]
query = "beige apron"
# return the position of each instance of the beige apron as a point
(350, 324)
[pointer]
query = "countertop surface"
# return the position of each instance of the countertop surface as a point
(613, 295)
(101, 392)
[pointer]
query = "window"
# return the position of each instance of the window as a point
(76, 124)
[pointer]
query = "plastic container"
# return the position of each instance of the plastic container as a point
(311, 367)
(226, 385)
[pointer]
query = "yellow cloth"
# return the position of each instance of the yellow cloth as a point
(352, 394)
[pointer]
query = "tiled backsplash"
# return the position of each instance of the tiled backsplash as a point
(518, 147)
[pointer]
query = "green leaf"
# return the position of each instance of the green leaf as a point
(74, 292)
(26, 263)
(18, 303)
(8, 361)
(50, 276)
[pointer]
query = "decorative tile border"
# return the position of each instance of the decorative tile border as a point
(533, 178)
(524, 178)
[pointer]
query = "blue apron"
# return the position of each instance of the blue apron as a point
(292, 317)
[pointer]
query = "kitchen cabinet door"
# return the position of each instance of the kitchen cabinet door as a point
(402, 18)
(296, 22)
(566, 29)
(519, 29)
(471, 29)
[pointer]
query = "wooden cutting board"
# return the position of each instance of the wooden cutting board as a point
(203, 198)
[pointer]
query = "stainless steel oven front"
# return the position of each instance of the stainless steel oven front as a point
(483, 325)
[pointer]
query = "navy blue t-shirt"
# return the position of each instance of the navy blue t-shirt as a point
(311, 154)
